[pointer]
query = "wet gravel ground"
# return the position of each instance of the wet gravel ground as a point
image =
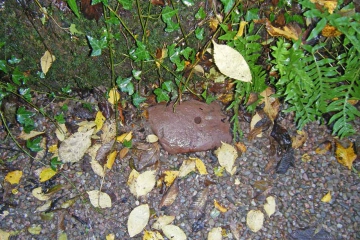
(297, 193)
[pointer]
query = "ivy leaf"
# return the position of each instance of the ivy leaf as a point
(25, 92)
(60, 118)
(54, 162)
(188, 3)
(125, 85)
(166, 15)
(22, 115)
(14, 60)
(127, 4)
(252, 14)
(228, 4)
(161, 95)
(140, 53)
(200, 13)
(34, 145)
(136, 74)
(137, 99)
(3, 66)
(74, 31)
(73, 7)
(168, 86)
(97, 45)
(199, 33)
(186, 52)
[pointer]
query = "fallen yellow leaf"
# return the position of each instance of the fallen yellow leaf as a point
(13, 177)
(345, 156)
(241, 30)
(124, 137)
(53, 148)
(326, 198)
(170, 177)
(111, 159)
(219, 207)
(200, 166)
(46, 61)
(46, 174)
(114, 96)
(99, 120)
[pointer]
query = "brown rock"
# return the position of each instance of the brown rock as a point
(194, 126)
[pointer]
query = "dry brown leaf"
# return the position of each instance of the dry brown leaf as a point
(288, 32)
(330, 31)
(272, 104)
(254, 120)
(241, 30)
(26, 136)
(219, 207)
(345, 156)
(299, 139)
(108, 131)
(213, 24)
(170, 195)
(241, 147)
(330, 5)
(61, 132)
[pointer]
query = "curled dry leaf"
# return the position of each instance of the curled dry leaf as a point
(200, 166)
(254, 120)
(270, 206)
(299, 139)
(227, 155)
(162, 221)
(73, 148)
(38, 193)
(219, 207)
(26, 136)
(324, 147)
(231, 63)
(173, 232)
(198, 205)
(170, 195)
(138, 219)
(345, 155)
(46, 61)
(255, 220)
(289, 31)
(99, 199)
(99, 121)
(215, 234)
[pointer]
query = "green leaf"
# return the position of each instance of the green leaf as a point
(3, 66)
(252, 14)
(64, 107)
(24, 118)
(60, 118)
(199, 33)
(127, 4)
(166, 15)
(136, 74)
(34, 145)
(186, 52)
(125, 85)
(228, 4)
(161, 95)
(319, 26)
(74, 31)
(168, 86)
(54, 163)
(97, 45)
(127, 144)
(67, 89)
(73, 7)
(200, 14)
(188, 3)
(140, 53)
(17, 76)
(137, 99)
(14, 60)
(25, 92)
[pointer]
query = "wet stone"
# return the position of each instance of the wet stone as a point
(193, 127)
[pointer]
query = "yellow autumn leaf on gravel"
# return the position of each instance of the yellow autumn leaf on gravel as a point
(241, 30)
(231, 63)
(299, 139)
(270, 206)
(219, 207)
(85, 126)
(111, 159)
(99, 120)
(26, 136)
(255, 220)
(141, 184)
(46, 174)
(110, 236)
(173, 232)
(200, 166)
(152, 235)
(34, 230)
(37, 193)
(124, 137)
(326, 198)
(345, 156)
(162, 221)
(99, 199)
(138, 219)
(53, 148)
(114, 96)
(227, 155)
(170, 176)
(61, 132)
(215, 234)
(151, 138)
(187, 167)
(46, 61)
(14, 177)
(4, 235)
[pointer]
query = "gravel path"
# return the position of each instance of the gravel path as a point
(297, 193)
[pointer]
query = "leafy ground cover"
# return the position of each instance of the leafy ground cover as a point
(73, 113)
